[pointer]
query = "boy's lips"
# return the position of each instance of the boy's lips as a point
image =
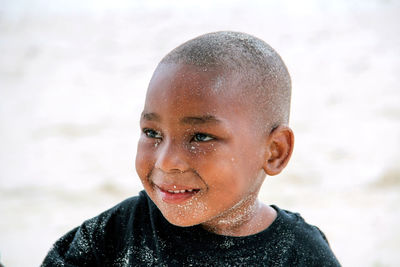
(175, 194)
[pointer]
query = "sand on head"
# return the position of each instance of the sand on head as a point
(262, 76)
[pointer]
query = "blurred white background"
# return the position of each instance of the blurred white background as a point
(73, 76)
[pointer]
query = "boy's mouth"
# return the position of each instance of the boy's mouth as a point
(182, 191)
(176, 194)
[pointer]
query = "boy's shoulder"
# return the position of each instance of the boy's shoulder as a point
(85, 245)
(308, 244)
(121, 214)
(294, 223)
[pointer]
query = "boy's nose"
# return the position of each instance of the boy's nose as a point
(171, 158)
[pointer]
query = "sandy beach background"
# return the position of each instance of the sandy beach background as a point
(73, 75)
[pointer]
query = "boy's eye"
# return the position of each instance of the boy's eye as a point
(200, 137)
(152, 134)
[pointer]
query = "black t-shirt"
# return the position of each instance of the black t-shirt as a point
(134, 233)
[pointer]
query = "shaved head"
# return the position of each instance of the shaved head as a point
(263, 77)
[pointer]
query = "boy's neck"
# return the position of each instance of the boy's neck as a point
(248, 217)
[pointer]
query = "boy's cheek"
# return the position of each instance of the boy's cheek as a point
(144, 159)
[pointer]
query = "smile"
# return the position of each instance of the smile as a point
(180, 191)
(174, 194)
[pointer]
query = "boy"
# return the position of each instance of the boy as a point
(214, 125)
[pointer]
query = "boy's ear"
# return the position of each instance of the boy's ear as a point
(279, 150)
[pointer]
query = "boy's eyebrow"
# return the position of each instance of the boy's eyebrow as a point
(200, 120)
(192, 120)
(151, 116)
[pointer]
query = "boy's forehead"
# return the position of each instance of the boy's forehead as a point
(177, 81)
(192, 90)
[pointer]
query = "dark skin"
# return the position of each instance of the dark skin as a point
(200, 158)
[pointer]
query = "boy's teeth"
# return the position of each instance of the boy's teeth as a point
(179, 191)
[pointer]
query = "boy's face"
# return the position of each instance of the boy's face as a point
(199, 154)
